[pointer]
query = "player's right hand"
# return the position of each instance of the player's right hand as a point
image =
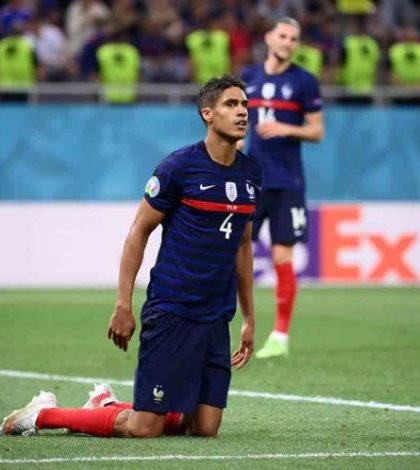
(240, 145)
(122, 325)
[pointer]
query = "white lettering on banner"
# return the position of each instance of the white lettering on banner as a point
(359, 244)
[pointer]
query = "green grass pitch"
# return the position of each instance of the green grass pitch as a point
(352, 344)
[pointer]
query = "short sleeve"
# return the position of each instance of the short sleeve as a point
(162, 189)
(312, 101)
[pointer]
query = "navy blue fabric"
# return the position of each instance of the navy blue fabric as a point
(287, 213)
(280, 157)
(182, 363)
(194, 275)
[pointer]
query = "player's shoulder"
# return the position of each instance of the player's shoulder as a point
(251, 71)
(181, 156)
(250, 163)
(303, 75)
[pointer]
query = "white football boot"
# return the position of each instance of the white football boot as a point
(100, 396)
(23, 421)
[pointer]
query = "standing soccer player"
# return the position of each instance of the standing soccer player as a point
(285, 109)
(204, 197)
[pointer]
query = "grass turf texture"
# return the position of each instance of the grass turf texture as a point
(357, 344)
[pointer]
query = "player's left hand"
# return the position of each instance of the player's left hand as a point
(242, 355)
(121, 327)
(268, 130)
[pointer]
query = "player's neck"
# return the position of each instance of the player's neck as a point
(220, 151)
(273, 66)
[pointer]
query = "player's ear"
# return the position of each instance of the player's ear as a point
(207, 114)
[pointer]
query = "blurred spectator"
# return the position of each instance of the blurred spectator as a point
(316, 14)
(159, 29)
(153, 47)
(273, 10)
(331, 46)
(82, 18)
(404, 58)
(240, 41)
(18, 65)
(360, 58)
(162, 13)
(128, 14)
(14, 12)
(50, 43)
(175, 66)
(87, 57)
(355, 7)
(195, 14)
(310, 57)
(119, 69)
(398, 15)
(209, 51)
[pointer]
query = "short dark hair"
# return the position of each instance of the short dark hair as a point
(284, 20)
(214, 88)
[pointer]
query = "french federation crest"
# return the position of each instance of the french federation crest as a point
(268, 91)
(286, 91)
(231, 191)
(251, 191)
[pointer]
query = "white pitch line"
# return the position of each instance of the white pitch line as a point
(237, 393)
(137, 458)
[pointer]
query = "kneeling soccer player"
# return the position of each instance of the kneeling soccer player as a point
(204, 196)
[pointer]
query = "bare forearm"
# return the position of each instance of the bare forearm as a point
(245, 281)
(131, 260)
(308, 132)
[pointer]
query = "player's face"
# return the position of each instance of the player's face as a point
(283, 41)
(229, 116)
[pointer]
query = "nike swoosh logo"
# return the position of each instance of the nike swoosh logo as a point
(203, 188)
(250, 89)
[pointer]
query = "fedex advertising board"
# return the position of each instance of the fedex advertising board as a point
(80, 245)
(356, 243)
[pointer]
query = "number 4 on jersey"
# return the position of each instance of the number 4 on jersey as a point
(226, 227)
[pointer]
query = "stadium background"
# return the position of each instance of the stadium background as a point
(72, 170)
(79, 161)
(68, 172)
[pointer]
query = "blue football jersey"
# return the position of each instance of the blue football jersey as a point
(207, 206)
(284, 97)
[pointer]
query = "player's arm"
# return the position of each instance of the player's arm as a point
(311, 130)
(245, 283)
(122, 323)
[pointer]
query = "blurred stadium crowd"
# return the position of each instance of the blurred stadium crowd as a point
(182, 41)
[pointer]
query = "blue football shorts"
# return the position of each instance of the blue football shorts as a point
(181, 363)
(287, 214)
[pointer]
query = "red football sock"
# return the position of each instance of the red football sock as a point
(97, 422)
(122, 405)
(173, 425)
(285, 296)
(172, 422)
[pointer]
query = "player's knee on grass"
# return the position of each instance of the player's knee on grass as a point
(207, 421)
(205, 431)
(139, 424)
